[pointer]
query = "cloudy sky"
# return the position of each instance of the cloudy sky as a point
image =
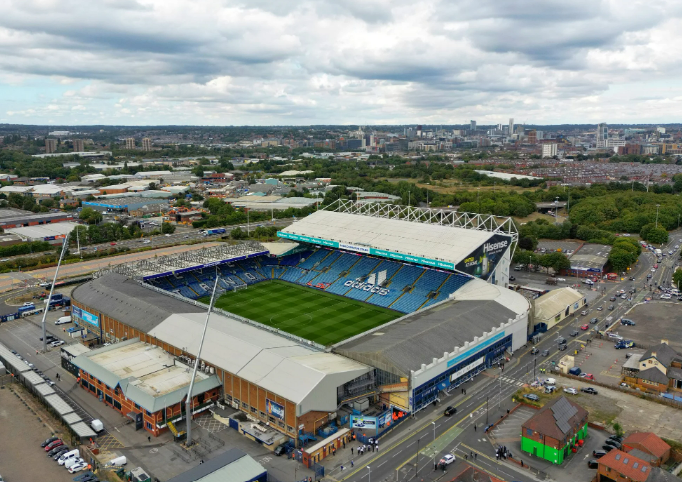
(265, 62)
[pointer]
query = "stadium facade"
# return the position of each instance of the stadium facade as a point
(444, 274)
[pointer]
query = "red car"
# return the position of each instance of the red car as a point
(113, 244)
(53, 445)
(589, 376)
(585, 327)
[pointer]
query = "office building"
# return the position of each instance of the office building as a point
(472, 125)
(78, 145)
(146, 144)
(511, 126)
(532, 137)
(50, 146)
(130, 143)
(549, 150)
(602, 134)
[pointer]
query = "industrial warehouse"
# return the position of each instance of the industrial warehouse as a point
(427, 293)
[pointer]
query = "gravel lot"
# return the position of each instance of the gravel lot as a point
(22, 457)
(655, 321)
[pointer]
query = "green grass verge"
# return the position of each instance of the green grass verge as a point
(321, 317)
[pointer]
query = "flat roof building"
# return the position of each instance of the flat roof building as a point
(124, 204)
(144, 382)
(52, 233)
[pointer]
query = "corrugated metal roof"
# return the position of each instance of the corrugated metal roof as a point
(418, 339)
(125, 300)
(12, 362)
(71, 418)
(231, 466)
(58, 404)
(550, 304)
(83, 430)
(33, 378)
(44, 389)
(445, 243)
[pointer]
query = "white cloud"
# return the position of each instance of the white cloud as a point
(341, 61)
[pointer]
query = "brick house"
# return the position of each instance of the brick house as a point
(619, 466)
(647, 446)
(554, 430)
(658, 370)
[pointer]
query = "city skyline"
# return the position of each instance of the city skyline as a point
(338, 63)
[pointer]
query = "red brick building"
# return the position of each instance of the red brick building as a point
(145, 383)
(647, 446)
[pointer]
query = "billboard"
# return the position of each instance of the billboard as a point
(81, 314)
(357, 421)
(274, 409)
(483, 260)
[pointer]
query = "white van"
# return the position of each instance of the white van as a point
(68, 456)
(550, 381)
(117, 462)
(63, 320)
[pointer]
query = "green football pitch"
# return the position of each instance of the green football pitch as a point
(321, 317)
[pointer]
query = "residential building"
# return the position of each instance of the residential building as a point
(533, 137)
(602, 135)
(628, 149)
(472, 125)
(549, 150)
(130, 143)
(50, 146)
(659, 370)
(647, 446)
(619, 466)
(554, 430)
(78, 145)
(146, 144)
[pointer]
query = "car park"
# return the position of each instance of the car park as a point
(532, 396)
(589, 390)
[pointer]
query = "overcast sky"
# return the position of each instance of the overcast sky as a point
(267, 62)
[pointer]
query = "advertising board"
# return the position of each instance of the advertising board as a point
(357, 421)
(81, 314)
(483, 260)
(274, 409)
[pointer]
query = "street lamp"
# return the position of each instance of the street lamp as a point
(535, 360)
(486, 410)
(416, 467)
(434, 430)
(657, 206)
(369, 474)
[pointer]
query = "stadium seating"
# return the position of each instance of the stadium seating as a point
(409, 287)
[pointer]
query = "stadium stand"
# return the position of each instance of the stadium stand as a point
(407, 288)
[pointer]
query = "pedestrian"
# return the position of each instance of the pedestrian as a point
(344, 444)
(377, 446)
(474, 427)
(343, 468)
(507, 411)
(466, 457)
(149, 439)
(351, 450)
(472, 454)
(435, 466)
(521, 463)
(476, 456)
(352, 464)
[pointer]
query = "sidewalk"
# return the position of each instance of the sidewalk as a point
(398, 435)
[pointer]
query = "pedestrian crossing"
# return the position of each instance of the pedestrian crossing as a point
(512, 381)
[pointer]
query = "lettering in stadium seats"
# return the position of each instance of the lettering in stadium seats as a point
(359, 285)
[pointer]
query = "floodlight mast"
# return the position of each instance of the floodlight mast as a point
(188, 402)
(54, 280)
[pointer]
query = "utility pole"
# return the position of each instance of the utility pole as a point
(486, 410)
(657, 206)
(54, 280)
(416, 467)
(188, 402)
(434, 430)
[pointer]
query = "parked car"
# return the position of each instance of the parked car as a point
(56, 343)
(592, 464)
(48, 441)
(575, 371)
(447, 459)
(599, 308)
(280, 450)
(55, 451)
(627, 321)
(614, 336)
(77, 467)
(571, 391)
(450, 411)
(583, 313)
(607, 448)
(613, 443)
(61, 451)
(550, 389)
(53, 445)
(589, 390)
(598, 453)
(511, 278)
(624, 344)
(616, 438)
(532, 396)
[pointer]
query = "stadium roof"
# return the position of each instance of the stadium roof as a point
(205, 258)
(404, 346)
(433, 238)
(129, 302)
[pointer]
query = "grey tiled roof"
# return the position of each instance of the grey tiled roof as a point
(126, 300)
(664, 354)
(653, 375)
(405, 345)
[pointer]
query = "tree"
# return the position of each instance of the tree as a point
(167, 228)
(657, 235)
(618, 429)
(237, 233)
(90, 216)
(677, 277)
(528, 243)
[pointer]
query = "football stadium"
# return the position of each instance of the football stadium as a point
(355, 304)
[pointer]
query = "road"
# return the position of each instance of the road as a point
(412, 451)
(11, 280)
